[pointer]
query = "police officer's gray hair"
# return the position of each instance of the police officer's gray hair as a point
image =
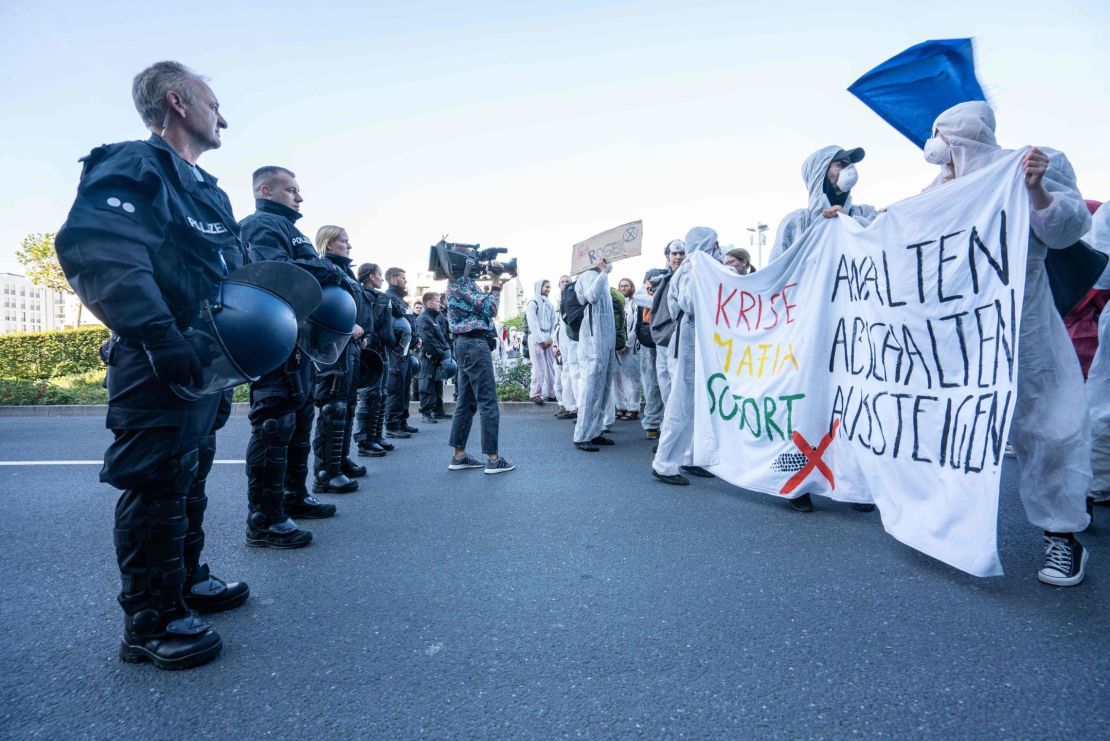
(150, 86)
(263, 175)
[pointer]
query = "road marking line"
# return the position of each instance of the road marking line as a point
(82, 463)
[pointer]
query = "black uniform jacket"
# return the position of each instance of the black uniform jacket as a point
(433, 341)
(270, 233)
(149, 237)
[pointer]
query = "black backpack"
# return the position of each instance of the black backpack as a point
(663, 325)
(571, 310)
(643, 326)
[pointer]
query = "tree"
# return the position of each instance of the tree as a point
(37, 256)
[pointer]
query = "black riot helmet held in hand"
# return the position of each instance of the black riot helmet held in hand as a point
(326, 332)
(250, 327)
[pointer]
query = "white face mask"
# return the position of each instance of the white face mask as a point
(937, 151)
(847, 179)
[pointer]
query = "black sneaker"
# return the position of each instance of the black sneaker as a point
(308, 507)
(697, 471)
(428, 419)
(588, 447)
(499, 466)
(863, 507)
(461, 464)
(804, 503)
(1065, 561)
(410, 429)
(399, 434)
(208, 593)
(602, 440)
(674, 480)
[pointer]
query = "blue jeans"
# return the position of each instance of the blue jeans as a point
(477, 391)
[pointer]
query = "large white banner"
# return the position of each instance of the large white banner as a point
(876, 364)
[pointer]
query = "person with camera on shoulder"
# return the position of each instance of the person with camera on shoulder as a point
(470, 314)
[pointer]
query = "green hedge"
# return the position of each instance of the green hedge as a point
(41, 355)
(82, 388)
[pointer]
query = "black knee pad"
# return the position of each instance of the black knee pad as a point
(278, 431)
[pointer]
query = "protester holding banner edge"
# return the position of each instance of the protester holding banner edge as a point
(1052, 439)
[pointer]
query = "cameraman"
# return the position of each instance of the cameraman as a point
(470, 313)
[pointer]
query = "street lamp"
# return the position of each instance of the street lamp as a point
(758, 239)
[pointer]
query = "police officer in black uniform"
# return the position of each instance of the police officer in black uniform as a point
(377, 343)
(398, 384)
(335, 393)
(434, 352)
(148, 240)
(281, 401)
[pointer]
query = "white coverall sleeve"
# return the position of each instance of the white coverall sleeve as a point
(532, 317)
(1066, 219)
(789, 230)
(863, 213)
(678, 298)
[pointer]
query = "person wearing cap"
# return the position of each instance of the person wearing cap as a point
(829, 174)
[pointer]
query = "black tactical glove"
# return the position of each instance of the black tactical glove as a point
(174, 360)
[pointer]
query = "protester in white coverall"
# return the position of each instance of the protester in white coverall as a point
(1098, 377)
(674, 452)
(829, 174)
(675, 252)
(597, 340)
(541, 318)
(569, 371)
(1050, 430)
(649, 380)
(627, 383)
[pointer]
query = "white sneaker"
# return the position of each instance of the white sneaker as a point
(1065, 562)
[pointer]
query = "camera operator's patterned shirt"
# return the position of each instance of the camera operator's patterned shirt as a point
(469, 308)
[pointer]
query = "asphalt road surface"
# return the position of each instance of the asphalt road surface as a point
(574, 597)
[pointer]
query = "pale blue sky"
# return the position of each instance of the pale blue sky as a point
(531, 125)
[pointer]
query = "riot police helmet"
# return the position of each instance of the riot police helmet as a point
(327, 330)
(247, 329)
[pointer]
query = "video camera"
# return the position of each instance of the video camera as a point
(452, 261)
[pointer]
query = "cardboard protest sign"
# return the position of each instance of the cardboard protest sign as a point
(876, 364)
(614, 244)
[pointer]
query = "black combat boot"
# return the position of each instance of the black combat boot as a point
(204, 592)
(349, 467)
(328, 446)
(268, 525)
(150, 543)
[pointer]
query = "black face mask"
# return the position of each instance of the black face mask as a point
(835, 198)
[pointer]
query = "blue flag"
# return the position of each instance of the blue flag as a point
(911, 89)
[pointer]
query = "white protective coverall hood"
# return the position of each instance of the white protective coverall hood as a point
(597, 341)
(1098, 378)
(540, 315)
(814, 170)
(677, 433)
(1050, 430)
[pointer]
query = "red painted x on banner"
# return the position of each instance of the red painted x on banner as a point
(813, 459)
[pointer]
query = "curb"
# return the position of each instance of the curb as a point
(237, 409)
